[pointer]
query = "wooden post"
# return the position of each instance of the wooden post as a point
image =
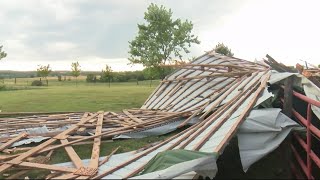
(287, 105)
(287, 110)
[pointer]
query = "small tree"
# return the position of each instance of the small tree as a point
(2, 53)
(59, 78)
(107, 73)
(161, 39)
(223, 49)
(75, 71)
(44, 71)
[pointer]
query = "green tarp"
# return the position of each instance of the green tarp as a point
(166, 159)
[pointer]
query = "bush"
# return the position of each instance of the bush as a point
(91, 78)
(59, 78)
(36, 83)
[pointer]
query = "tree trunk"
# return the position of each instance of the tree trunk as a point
(150, 82)
(109, 82)
(137, 82)
(76, 81)
(47, 81)
(15, 80)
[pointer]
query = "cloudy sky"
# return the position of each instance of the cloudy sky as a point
(96, 32)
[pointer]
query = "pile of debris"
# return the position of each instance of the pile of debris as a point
(214, 93)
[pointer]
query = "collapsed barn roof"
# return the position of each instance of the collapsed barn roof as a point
(216, 90)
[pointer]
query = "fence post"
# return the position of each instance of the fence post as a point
(287, 110)
(309, 113)
(287, 105)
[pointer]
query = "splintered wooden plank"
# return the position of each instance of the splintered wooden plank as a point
(47, 166)
(132, 116)
(72, 154)
(94, 162)
(9, 143)
(83, 128)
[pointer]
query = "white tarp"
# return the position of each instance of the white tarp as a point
(261, 133)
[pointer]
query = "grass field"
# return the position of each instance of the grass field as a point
(66, 96)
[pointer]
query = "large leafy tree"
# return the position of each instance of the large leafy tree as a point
(44, 71)
(161, 39)
(75, 70)
(223, 49)
(2, 53)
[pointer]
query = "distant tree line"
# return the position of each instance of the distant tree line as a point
(126, 76)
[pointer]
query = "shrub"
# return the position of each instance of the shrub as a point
(36, 83)
(91, 78)
(59, 78)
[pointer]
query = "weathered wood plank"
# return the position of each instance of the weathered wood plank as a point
(72, 154)
(287, 93)
(9, 143)
(132, 117)
(47, 166)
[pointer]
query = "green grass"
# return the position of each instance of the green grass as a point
(66, 96)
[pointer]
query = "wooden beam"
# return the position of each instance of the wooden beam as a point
(72, 154)
(9, 143)
(212, 75)
(94, 162)
(132, 117)
(47, 166)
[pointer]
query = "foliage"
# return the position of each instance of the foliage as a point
(223, 49)
(91, 78)
(44, 71)
(75, 69)
(161, 38)
(36, 83)
(59, 78)
(2, 53)
(106, 74)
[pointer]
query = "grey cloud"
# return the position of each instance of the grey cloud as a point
(97, 28)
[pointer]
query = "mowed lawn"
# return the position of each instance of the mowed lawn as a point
(66, 96)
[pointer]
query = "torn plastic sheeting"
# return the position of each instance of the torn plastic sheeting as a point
(169, 158)
(154, 131)
(310, 89)
(29, 141)
(37, 130)
(205, 166)
(313, 92)
(261, 133)
(276, 76)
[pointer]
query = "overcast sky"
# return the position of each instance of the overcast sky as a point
(96, 32)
